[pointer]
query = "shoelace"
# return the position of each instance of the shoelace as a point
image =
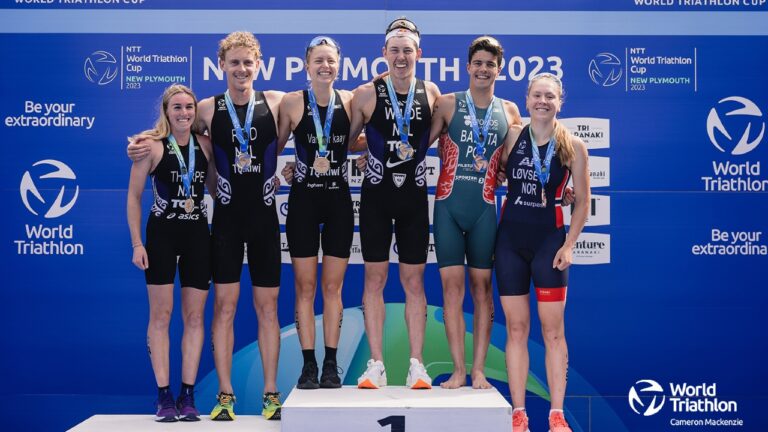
(370, 367)
(187, 399)
(274, 398)
(331, 367)
(518, 418)
(557, 420)
(167, 401)
(225, 399)
(420, 369)
(309, 368)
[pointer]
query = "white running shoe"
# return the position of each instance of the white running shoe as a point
(374, 376)
(417, 376)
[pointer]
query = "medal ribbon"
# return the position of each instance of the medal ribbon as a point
(407, 110)
(323, 133)
(542, 167)
(479, 142)
(186, 174)
(241, 134)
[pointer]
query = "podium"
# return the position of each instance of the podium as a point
(146, 423)
(396, 409)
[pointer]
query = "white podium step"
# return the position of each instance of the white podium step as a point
(396, 409)
(146, 422)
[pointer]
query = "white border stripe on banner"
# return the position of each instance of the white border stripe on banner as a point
(664, 23)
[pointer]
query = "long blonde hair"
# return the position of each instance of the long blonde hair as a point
(162, 128)
(563, 144)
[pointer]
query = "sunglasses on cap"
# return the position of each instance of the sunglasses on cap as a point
(323, 40)
(551, 76)
(402, 23)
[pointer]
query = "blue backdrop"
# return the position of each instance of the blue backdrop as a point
(668, 288)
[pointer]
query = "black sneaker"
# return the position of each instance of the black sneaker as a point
(308, 378)
(330, 377)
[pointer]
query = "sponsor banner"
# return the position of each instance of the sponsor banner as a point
(683, 405)
(599, 211)
(592, 248)
(595, 132)
(49, 189)
(599, 171)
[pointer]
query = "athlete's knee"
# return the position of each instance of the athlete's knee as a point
(331, 291)
(553, 334)
(160, 318)
(266, 310)
(413, 282)
(375, 281)
(481, 293)
(517, 330)
(193, 320)
(305, 292)
(224, 311)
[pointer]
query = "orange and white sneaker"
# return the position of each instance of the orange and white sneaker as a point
(519, 421)
(417, 378)
(375, 376)
(557, 422)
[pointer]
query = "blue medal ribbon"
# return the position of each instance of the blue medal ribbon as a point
(323, 133)
(542, 167)
(242, 134)
(480, 139)
(186, 174)
(403, 122)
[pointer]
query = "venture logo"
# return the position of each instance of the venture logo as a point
(748, 115)
(647, 388)
(29, 186)
(605, 69)
(100, 68)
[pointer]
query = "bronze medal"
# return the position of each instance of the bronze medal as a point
(189, 205)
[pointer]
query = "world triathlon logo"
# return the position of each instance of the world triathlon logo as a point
(743, 118)
(100, 68)
(605, 69)
(57, 177)
(641, 392)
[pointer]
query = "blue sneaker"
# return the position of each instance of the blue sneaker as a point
(185, 404)
(166, 408)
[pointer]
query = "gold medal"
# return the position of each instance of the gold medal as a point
(321, 165)
(189, 205)
(243, 160)
(404, 151)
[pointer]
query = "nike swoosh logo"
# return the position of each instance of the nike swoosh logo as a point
(392, 165)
